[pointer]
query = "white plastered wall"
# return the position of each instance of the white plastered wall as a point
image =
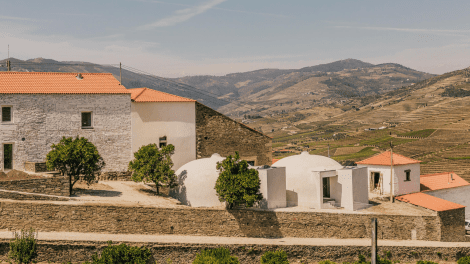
(273, 187)
(175, 120)
(347, 188)
(459, 195)
(400, 185)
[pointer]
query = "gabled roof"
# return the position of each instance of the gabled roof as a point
(443, 180)
(384, 159)
(145, 95)
(429, 202)
(59, 83)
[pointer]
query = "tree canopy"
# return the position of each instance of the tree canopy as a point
(153, 164)
(75, 157)
(237, 183)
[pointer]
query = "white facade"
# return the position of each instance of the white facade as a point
(319, 182)
(400, 183)
(272, 187)
(196, 183)
(459, 195)
(174, 120)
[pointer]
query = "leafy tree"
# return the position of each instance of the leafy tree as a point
(122, 254)
(237, 183)
(74, 158)
(274, 257)
(23, 248)
(215, 256)
(153, 164)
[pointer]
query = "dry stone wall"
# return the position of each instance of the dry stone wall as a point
(81, 251)
(40, 120)
(51, 185)
(216, 133)
(61, 216)
(451, 225)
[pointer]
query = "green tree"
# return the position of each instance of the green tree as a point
(74, 158)
(122, 254)
(215, 256)
(23, 248)
(274, 257)
(237, 183)
(153, 164)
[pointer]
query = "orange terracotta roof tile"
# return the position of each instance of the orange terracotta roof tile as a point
(443, 180)
(59, 83)
(275, 160)
(145, 95)
(429, 202)
(384, 159)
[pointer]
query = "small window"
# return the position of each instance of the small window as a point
(6, 114)
(408, 175)
(162, 142)
(251, 162)
(86, 120)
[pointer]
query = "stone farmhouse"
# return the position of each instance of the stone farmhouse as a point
(39, 108)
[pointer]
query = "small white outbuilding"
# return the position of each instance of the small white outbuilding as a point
(272, 187)
(196, 182)
(315, 181)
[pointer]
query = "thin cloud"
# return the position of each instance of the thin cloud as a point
(217, 8)
(16, 18)
(182, 15)
(420, 30)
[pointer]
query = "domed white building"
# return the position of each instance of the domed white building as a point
(196, 182)
(315, 181)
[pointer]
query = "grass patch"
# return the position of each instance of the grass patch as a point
(459, 158)
(384, 142)
(364, 153)
(420, 133)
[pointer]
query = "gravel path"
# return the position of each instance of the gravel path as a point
(73, 236)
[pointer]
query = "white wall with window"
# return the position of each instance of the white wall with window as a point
(406, 178)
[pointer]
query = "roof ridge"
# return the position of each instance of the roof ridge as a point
(141, 92)
(51, 73)
(436, 174)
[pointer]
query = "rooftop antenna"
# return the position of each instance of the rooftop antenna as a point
(120, 73)
(391, 172)
(8, 61)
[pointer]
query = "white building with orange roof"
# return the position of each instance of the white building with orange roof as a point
(448, 186)
(39, 108)
(161, 118)
(406, 174)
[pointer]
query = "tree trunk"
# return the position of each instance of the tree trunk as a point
(158, 189)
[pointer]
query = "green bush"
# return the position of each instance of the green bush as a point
(425, 262)
(23, 248)
(215, 256)
(464, 260)
(274, 257)
(122, 254)
(326, 262)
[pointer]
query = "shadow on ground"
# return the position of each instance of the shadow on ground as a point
(97, 193)
(257, 223)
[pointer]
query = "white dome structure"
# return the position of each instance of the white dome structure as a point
(300, 185)
(196, 182)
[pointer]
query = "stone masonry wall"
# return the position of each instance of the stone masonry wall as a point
(451, 225)
(40, 120)
(216, 133)
(52, 186)
(35, 166)
(81, 251)
(63, 216)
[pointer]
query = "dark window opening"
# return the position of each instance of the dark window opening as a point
(86, 120)
(326, 187)
(7, 156)
(162, 142)
(251, 162)
(408, 175)
(6, 114)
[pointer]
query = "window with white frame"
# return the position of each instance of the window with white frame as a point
(87, 120)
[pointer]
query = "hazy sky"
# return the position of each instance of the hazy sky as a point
(189, 37)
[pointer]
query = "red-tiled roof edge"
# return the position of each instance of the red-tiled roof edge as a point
(143, 89)
(439, 173)
(404, 199)
(395, 154)
(48, 73)
(188, 100)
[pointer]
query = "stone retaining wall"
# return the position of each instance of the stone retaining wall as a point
(62, 216)
(47, 185)
(115, 176)
(80, 251)
(35, 166)
(29, 196)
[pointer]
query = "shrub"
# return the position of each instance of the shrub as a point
(425, 262)
(23, 248)
(215, 256)
(153, 164)
(326, 262)
(274, 257)
(464, 260)
(237, 183)
(122, 254)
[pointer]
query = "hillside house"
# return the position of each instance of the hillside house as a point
(195, 130)
(406, 172)
(39, 108)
